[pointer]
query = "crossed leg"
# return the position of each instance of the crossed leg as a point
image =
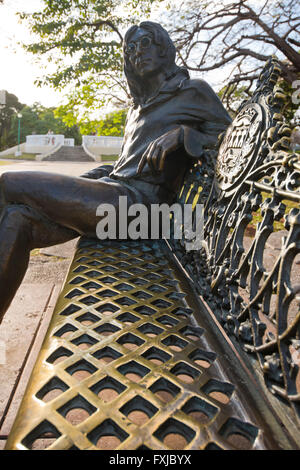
(43, 209)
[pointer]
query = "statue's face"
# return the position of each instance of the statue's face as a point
(144, 54)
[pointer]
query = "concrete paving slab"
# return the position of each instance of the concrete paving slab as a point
(276, 239)
(31, 357)
(17, 333)
(65, 250)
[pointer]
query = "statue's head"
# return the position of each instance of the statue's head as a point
(148, 50)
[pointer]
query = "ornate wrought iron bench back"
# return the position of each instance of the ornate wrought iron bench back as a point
(186, 329)
(257, 184)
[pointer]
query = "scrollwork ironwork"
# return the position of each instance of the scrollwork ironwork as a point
(254, 290)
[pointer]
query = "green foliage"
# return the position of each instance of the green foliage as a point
(24, 156)
(113, 124)
(83, 39)
(290, 108)
(81, 108)
(109, 158)
(278, 225)
(7, 113)
(233, 96)
(39, 120)
(35, 119)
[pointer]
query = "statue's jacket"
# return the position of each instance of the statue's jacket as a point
(181, 101)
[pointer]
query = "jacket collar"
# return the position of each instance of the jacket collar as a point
(168, 87)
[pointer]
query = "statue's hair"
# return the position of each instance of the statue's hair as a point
(167, 49)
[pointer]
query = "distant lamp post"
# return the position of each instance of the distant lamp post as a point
(18, 153)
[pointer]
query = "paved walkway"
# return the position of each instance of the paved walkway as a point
(66, 168)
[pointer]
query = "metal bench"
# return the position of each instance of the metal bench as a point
(155, 347)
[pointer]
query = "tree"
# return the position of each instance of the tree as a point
(85, 106)
(236, 38)
(112, 124)
(233, 96)
(8, 111)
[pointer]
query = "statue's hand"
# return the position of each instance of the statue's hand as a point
(157, 151)
(99, 172)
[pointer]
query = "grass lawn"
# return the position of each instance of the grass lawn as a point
(109, 158)
(24, 156)
(6, 162)
(278, 225)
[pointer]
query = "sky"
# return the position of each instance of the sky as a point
(18, 70)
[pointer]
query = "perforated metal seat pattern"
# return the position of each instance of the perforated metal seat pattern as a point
(125, 365)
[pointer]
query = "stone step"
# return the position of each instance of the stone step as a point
(70, 154)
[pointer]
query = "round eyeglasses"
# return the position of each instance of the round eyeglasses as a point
(145, 42)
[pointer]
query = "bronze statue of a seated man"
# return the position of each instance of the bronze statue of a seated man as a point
(171, 120)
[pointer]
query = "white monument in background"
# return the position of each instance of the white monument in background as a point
(95, 145)
(45, 143)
